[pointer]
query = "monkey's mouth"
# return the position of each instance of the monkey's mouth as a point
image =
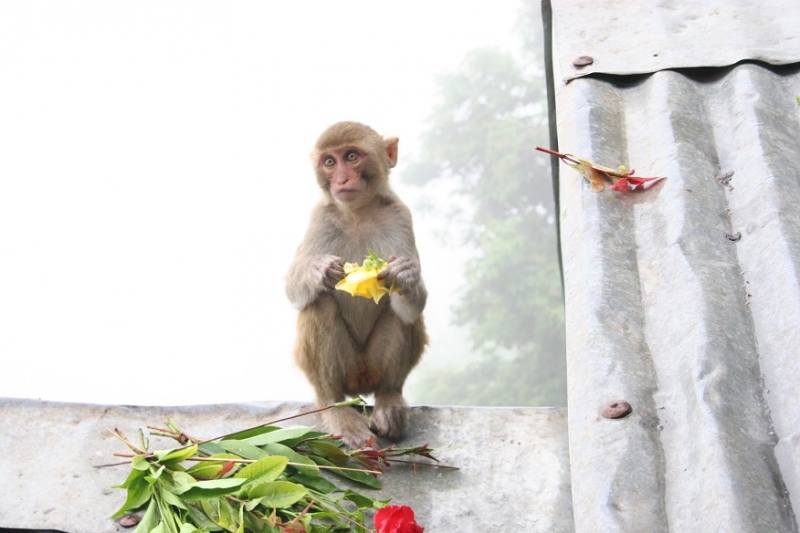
(347, 195)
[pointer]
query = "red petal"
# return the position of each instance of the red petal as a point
(634, 184)
(396, 519)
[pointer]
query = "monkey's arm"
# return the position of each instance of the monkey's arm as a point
(313, 270)
(309, 276)
(408, 304)
(404, 273)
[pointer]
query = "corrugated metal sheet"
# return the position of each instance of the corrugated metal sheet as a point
(635, 36)
(684, 300)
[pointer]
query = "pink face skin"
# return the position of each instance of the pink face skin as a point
(342, 166)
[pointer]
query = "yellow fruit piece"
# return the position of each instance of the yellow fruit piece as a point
(360, 281)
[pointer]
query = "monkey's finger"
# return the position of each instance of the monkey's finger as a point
(334, 276)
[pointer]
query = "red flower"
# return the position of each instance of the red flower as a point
(396, 519)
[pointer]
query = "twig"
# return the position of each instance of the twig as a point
(250, 461)
(417, 463)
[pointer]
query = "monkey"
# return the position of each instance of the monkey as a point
(349, 346)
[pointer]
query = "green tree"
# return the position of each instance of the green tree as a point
(481, 136)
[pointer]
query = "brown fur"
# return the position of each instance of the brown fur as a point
(346, 345)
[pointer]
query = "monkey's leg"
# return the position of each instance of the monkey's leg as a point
(393, 350)
(326, 353)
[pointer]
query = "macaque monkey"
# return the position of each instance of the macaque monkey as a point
(349, 346)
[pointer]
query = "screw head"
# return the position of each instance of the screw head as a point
(617, 409)
(583, 61)
(129, 520)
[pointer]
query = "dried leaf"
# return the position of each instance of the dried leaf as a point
(621, 178)
(596, 183)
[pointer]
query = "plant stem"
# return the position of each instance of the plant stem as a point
(273, 422)
(251, 461)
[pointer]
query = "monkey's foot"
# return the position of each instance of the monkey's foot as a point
(389, 421)
(349, 424)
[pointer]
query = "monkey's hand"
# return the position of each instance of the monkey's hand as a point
(330, 270)
(402, 272)
(310, 276)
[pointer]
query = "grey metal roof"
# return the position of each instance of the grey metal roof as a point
(634, 36)
(684, 299)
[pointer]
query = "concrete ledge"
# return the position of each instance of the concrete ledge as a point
(514, 463)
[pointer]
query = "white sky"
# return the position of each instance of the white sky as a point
(155, 181)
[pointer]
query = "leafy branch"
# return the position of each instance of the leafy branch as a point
(264, 479)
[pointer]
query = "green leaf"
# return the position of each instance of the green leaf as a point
(371, 260)
(211, 448)
(212, 469)
(328, 451)
(318, 483)
(266, 469)
(252, 432)
(277, 448)
(361, 477)
(205, 470)
(254, 523)
(175, 456)
(199, 517)
(149, 520)
(140, 462)
(336, 518)
(181, 479)
(160, 528)
(209, 489)
(227, 515)
(364, 502)
(311, 435)
(294, 432)
(152, 479)
(168, 515)
(139, 492)
(278, 494)
(252, 503)
(241, 519)
(220, 511)
(188, 528)
(243, 449)
(173, 500)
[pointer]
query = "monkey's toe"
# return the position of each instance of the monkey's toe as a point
(389, 422)
(358, 440)
(350, 425)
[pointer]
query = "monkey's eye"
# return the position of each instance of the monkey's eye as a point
(329, 161)
(352, 155)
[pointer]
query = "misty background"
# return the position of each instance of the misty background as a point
(155, 181)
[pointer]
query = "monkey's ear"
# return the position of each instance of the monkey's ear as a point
(391, 150)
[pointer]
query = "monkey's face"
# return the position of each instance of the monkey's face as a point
(343, 169)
